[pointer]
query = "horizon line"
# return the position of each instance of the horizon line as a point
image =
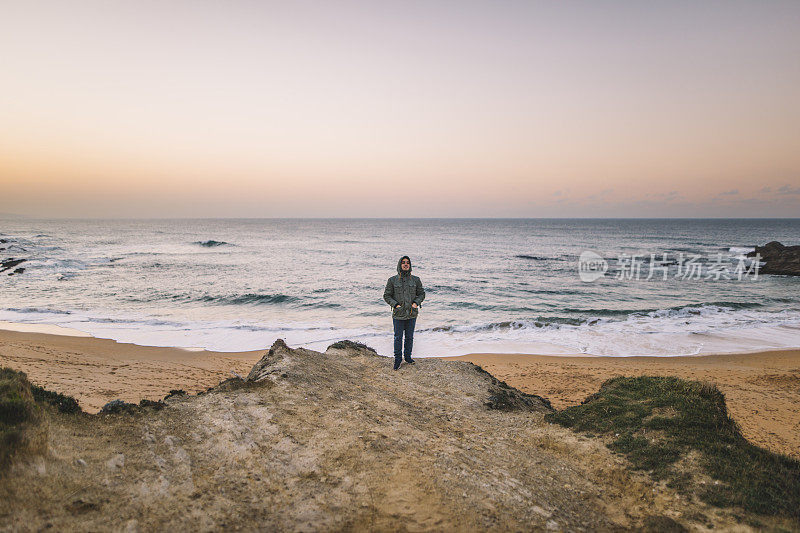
(27, 217)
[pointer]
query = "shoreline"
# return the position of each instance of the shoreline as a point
(731, 346)
(762, 388)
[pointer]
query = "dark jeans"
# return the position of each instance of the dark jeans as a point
(401, 327)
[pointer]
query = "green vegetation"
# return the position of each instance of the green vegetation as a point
(680, 431)
(116, 407)
(65, 404)
(20, 416)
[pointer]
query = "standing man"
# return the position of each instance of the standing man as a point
(404, 293)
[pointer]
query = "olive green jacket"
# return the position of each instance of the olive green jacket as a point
(404, 289)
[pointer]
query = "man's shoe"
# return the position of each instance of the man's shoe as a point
(397, 363)
(410, 361)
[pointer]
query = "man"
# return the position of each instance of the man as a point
(404, 293)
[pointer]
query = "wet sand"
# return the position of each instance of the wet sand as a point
(762, 389)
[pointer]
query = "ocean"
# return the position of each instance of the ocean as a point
(493, 285)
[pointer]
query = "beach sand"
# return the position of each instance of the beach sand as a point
(96, 371)
(762, 389)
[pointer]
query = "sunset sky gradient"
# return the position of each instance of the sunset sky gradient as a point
(400, 109)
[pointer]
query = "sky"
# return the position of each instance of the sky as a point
(400, 109)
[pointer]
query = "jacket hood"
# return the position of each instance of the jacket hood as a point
(400, 270)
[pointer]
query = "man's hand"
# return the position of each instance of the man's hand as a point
(397, 306)
(414, 305)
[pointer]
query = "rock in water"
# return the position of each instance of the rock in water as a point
(778, 259)
(10, 263)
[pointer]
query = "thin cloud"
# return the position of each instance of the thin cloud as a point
(786, 189)
(667, 196)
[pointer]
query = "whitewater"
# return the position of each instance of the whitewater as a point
(493, 285)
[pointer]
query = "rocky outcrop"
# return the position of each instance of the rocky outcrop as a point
(10, 263)
(268, 364)
(506, 398)
(330, 441)
(348, 347)
(778, 259)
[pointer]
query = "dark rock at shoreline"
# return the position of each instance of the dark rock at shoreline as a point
(778, 259)
(211, 243)
(10, 263)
